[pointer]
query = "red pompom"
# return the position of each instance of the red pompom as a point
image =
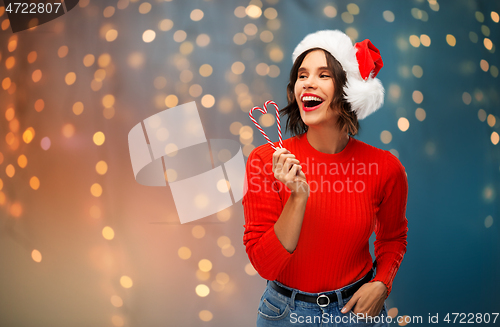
(369, 59)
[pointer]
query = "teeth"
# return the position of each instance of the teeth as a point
(311, 98)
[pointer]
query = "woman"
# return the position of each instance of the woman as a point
(311, 206)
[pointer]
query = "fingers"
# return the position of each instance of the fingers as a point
(287, 169)
(283, 160)
(285, 163)
(277, 154)
(292, 171)
(350, 304)
(289, 163)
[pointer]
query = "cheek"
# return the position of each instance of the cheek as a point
(302, 115)
(332, 90)
(297, 92)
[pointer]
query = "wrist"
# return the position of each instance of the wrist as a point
(299, 196)
(380, 285)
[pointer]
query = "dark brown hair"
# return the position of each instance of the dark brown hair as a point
(347, 118)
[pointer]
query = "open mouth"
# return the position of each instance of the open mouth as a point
(310, 101)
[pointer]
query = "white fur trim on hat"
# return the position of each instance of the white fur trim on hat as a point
(365, 96)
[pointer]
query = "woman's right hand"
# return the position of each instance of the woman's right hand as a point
(288, 170)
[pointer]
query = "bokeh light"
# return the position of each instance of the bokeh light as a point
(98, 138)
(166, 25)
(96, 190)
(101, 167)
(34, 183)
(228, 250)
(145, 7)
(205, 315)
(494, 16)
(22, 161)
(88, 60)
(417, 97)
(180, 36)
(386, 137)
(403, 124)
(198, 231)
(171, 101)
(62, 51)
(116, 301)
(45, 143)
(117, 321)
(202, 290)
(184, 253)
(388, 16)
(108, 11)
(420, 114)
(205, 70)
(70, 78)
(29, 135)
(196, 15)
(466, 98)
(415, 41)
(494, 138)
(148, 36)
(108, 233)
(205, 265)
(36, 255)
(253, 11)
(208, 101)
(36, 76)
(126, 282)
(39, 105)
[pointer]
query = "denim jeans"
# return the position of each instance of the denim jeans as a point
(276, 309)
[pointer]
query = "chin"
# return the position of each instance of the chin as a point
(311, 122)
(312, 117)
(318, 122)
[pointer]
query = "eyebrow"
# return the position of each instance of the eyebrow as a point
(301, 69)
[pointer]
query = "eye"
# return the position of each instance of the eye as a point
(325, 75)
(302, 76)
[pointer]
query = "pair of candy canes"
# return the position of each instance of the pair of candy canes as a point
(264, 111)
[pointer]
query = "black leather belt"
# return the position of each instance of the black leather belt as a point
(323, 299)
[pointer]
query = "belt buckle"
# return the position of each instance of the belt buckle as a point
(320, 296)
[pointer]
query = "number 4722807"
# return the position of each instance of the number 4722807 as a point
(471, 318)
(32, 8)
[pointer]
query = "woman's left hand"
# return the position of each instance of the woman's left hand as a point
(368, 299)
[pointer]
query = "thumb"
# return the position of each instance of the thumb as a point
(350, 304)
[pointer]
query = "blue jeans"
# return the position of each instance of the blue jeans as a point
(276, 309)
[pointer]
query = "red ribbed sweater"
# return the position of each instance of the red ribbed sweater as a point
(352, 193)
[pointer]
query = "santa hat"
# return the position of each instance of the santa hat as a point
(361, 63)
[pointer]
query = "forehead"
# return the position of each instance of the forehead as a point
(314, 59)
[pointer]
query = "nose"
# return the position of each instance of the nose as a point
(310, 82)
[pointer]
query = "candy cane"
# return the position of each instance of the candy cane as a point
(264, 111)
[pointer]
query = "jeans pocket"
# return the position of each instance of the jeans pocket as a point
(273, 308)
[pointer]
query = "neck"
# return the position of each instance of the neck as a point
(327, 140)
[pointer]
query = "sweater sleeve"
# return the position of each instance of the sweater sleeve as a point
(391, 223)
(262, 206)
